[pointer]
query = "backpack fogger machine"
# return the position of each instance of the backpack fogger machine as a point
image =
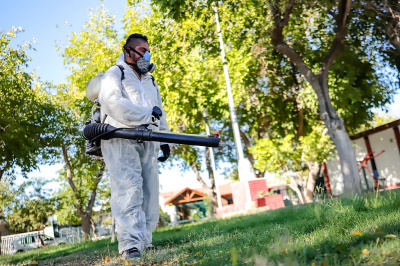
(95, 131)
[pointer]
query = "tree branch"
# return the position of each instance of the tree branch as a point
(294, 187)
(71, 182)
(196, 170)
(281, 46)
(209, 168)
(1, 173)
(263, 128)
(94, 190)
(288, 11)
(247, 145)
(344, 8)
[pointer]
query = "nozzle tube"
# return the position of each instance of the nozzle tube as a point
(97, 131)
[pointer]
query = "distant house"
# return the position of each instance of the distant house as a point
(188, 204)
(383, 170)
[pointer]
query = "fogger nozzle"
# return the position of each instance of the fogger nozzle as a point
(97, 131)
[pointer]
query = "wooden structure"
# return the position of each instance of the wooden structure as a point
(383, 140)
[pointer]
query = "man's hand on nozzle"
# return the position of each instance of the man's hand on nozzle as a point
(166, 151)
(157, 113)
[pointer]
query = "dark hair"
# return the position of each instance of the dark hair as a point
(135, 39)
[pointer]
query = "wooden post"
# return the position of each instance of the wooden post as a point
(397, 135)
(326, 177)
(373, 164)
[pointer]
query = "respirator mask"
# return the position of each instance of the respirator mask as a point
(143, 63)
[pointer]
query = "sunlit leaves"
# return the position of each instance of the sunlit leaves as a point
(28, 132)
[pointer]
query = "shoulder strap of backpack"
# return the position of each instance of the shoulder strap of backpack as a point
(154, 83)
(122, 72)
(122, 78)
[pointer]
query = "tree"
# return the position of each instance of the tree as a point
(300, 159)
(382, 20)
(312, 52)
(26, 207)
(83, 175)
(28, 133)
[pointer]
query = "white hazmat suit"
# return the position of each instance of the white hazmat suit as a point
(132, 166)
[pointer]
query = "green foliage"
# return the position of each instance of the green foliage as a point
(92, 50)
(107, 221)
(232, 174)
(28, 132)
(279, 154)
(261, 194)
(164, 218)
(288, 154)
(272, 97)
(84, 173)
(378, 119)
(316, 146)
(27, 206)
(381, 119)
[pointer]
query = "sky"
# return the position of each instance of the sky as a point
(49, 21)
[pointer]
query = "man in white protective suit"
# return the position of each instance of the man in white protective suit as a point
(131, 100)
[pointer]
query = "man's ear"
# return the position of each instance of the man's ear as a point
(128, 52)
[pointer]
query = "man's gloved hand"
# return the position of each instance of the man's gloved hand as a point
(157, 113)
(166, 151)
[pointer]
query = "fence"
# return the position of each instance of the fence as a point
(67, 234)
(71, 234)
(6, 241)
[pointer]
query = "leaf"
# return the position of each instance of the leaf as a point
(356, 233)
(365, 251)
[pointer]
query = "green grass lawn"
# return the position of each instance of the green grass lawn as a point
(360, 231)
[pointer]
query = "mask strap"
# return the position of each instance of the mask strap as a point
(134, 51)
(131, 64)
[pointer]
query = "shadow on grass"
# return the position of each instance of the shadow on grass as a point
(89, 248)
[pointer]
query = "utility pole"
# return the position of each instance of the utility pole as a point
(245, 170)
(205, 115)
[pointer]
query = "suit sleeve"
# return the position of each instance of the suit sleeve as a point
(163, 121)
(114, 104)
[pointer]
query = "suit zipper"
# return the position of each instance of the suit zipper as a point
(140, 85)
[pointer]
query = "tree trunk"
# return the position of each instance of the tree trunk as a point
(93, 229)
(207, 189)
(313, 169)
(1, 173)
(249, 156)
(85, 216)
(85, 227)
(319, 82)
(213, 189)
(112, 229)
(295, 188)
